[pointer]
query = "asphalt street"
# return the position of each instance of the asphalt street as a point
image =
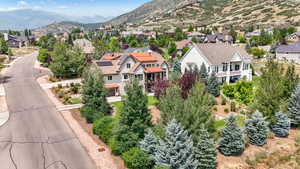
(36, 135)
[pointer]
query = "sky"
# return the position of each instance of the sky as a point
(75, 7)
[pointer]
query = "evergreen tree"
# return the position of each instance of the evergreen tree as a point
(213, 86)
(176, 66)
(203, 72)
(256, 129)
(149, 143)
(135, 111)
(176, 150)
(3, 46)
(231, 141)
(134, 118)
(205, 151)
(282, 126)
(171, 104)
(94, 95)
(294, 107)
(198, 110)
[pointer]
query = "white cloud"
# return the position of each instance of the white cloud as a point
(8, 9)
(22, 4)
(62, 7)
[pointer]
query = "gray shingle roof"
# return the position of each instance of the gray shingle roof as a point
(218, 53)
(291, 48)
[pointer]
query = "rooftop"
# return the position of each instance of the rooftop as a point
(218, 53)
(291, 48)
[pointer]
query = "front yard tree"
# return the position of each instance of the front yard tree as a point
(135, 111)
(67, 62)
(231, 141)
(281, 128)
(205, 151)
(203, 72)
(256, 128)
(213, 86)
(198, 110)
(186, 83)
(176, 150)
(270, 90)
(160, 87)
(171, 104)
(294, 107)
(149, 143)
(134, 118)
(94, 94)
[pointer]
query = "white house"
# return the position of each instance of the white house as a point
(230, 63)
(118, 68)
(289, 52)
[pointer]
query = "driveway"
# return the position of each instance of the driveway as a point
(36, 135)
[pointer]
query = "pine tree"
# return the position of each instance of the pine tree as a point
(198, 110)
(149, 143)
(282, 126)
(231, 141)
(213, 86)
(205, 151)
(203, 72)
(94, 94)
(294, 107)
(176, 150)
(171, 104)
(256, 129)
(135, 111)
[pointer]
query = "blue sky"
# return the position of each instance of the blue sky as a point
(75, 7)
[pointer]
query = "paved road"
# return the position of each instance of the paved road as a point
(36, 135)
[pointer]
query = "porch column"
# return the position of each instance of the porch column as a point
(228, 73)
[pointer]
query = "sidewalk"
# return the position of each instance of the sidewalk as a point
(102, 159)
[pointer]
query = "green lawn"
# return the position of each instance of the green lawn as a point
(151, 101)
(219, 124)
(76, 100)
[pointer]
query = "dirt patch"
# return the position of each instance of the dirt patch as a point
(155, 113)
(88, 128)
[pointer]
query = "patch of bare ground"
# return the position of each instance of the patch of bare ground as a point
(88, 128)
(278, 153)
(155, 113)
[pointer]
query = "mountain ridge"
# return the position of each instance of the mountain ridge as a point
(31, 19)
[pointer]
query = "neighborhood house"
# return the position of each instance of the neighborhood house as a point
(118, 68)
(230, 63)
(289, 52)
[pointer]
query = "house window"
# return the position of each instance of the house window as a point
(216, 69)
(139, 77)
(109, 77)
(225, 67)
(208, 69)
(125, 76)
(128, 65)
(237, 67)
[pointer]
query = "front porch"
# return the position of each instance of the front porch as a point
(152, 76)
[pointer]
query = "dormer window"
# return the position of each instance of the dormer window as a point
(128, 65)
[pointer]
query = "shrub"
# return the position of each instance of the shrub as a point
(281, 128)
(90, 114)
(261, 155)
(257, 129)
(61, 94)
(226, 110)
(103, 128)
(223, 102)
(231, 141)
(59, 86)
(233, 106)
(135, 158)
